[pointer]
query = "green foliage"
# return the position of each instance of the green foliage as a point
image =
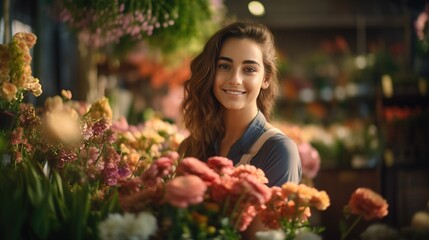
(35, 206)
(169, 27)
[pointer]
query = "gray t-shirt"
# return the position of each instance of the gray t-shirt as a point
(278, 157)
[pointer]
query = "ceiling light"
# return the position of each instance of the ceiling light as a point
(256, 8)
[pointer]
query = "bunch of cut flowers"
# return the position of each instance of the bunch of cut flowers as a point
(192, 199)
(15, 71)
(141, 144)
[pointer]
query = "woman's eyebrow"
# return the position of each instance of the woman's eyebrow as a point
(245, 61)
(251, 62)
(225, 59)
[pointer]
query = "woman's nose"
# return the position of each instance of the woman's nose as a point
(236, 78)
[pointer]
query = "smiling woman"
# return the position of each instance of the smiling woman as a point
(228, 100)
(239, 76)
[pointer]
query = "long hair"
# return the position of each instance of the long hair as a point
(201, 110)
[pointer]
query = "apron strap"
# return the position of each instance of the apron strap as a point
(245, 159)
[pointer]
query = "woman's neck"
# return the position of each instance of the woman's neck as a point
(236, 122)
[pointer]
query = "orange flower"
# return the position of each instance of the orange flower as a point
(8, 91)
(320, 200)
(368, 204)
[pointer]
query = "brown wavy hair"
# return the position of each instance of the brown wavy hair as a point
(201, 110)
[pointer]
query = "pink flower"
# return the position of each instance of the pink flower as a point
(310, 160)
(159, 168)
(221, 165)
(185, 190)
(246, 217)
(245, 170)
(174, 156)
(421, 22)
(254, 191)
(120, 125)
(193, 166)
(220, 191)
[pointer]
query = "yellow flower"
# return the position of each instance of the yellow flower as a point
(67, 94)
(8, 91)
(54, 103)
(100, 110)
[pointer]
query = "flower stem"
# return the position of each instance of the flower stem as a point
(345, 234)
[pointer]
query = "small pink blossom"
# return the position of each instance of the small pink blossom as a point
(159, 168)
(185, 190)
(254, 191)
(221, 165)
(247, 169)
(246, 217)
(310, 160)
(193, 166)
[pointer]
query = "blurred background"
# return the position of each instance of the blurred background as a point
(353, 75)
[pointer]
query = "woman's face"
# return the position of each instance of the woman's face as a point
(240, 75)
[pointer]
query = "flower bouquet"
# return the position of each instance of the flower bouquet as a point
(191, 199)
(15, 71)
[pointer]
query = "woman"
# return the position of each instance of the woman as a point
(228, 98)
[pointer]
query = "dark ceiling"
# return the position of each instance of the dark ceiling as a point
(327, 13)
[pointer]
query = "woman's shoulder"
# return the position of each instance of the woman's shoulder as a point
(278, 137)
(279, 145)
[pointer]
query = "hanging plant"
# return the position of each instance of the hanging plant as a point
(167, 25)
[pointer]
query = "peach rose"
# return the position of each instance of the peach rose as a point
(368, 204)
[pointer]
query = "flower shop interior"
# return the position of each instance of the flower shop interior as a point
(353, 79)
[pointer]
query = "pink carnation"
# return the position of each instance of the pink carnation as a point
(256, 192)
(161, 167)
(246, 169)
(310, 160)
(221, 165)
(219, 192)
(246, 217)
(193, 166)
(185, 190)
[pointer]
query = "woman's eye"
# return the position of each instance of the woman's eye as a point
(250, 69)
(223, 66)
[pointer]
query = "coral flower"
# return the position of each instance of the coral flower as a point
(368, 204)
(221, 165)
(185, 190)
(196, 167)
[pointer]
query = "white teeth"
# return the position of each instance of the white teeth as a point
(234, 92)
